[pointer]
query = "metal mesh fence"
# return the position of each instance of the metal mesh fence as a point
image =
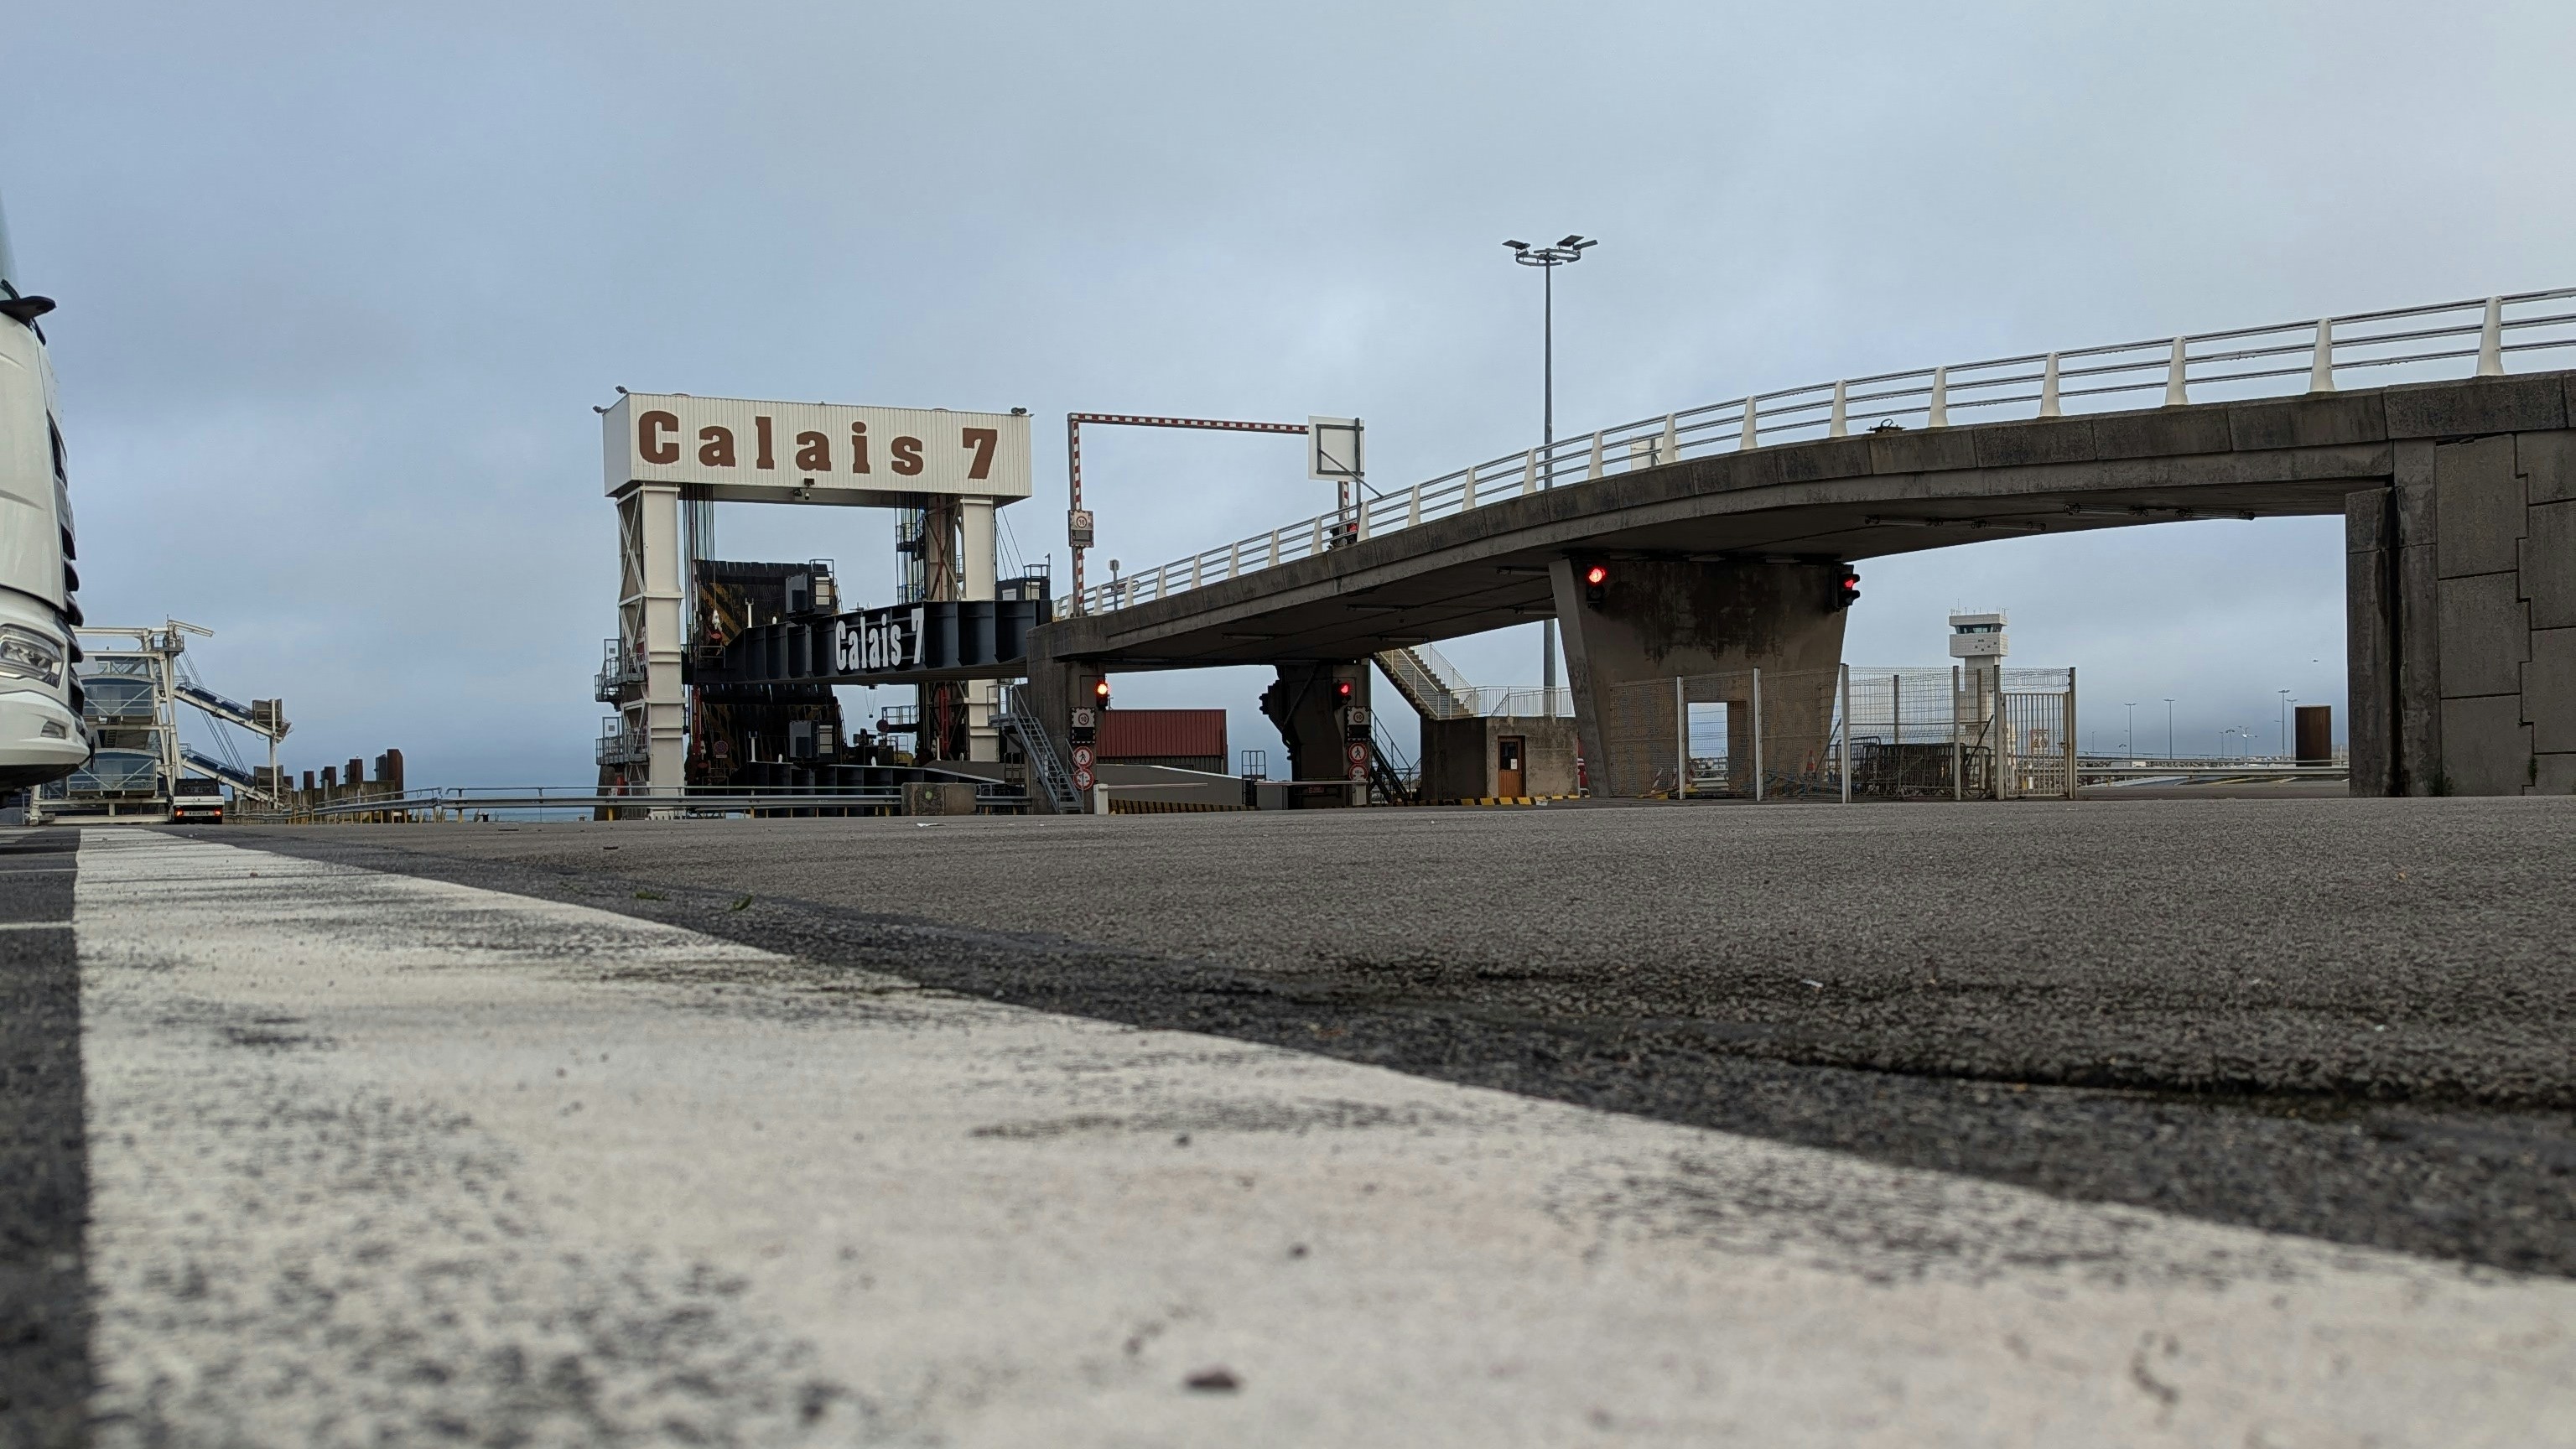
(1897, 733)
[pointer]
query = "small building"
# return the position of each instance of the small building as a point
(1180, 739)
(1488, 757)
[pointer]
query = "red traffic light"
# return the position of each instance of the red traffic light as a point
(1100, 690)
(1846, 587)
(1596, 576)
(1596, 585)
(1342, 689)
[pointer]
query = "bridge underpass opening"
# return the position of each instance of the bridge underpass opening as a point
(2219, 616)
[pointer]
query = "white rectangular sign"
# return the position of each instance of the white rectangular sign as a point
(743, 451)
(1333, 448)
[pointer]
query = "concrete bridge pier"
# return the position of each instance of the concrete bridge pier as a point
(2460, 591)
(1307, 704)
(1658, 619)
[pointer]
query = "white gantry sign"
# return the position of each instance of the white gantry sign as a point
(742, 451)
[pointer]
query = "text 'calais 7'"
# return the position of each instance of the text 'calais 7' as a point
(744, 451)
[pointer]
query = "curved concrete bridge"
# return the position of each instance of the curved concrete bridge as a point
(2460, 499)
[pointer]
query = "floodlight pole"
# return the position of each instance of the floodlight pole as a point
(1547, 259)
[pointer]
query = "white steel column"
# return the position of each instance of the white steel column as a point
(651, 609)
(977, 551)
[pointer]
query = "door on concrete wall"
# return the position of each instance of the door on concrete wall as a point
(1511, 769)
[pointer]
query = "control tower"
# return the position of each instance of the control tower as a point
(1979, 642)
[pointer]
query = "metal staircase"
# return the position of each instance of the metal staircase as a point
(1387, 769)
(1017, 722)
(1428, 682)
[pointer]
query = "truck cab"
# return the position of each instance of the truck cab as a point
(196, 798)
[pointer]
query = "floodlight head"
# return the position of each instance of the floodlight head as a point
(1517, 246)
(1572, 238)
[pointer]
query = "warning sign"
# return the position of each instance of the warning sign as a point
(1359, 762)
(1082, 757)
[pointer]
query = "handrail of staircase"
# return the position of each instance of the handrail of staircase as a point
(1016, 718)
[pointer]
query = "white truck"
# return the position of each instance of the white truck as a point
(41, 735)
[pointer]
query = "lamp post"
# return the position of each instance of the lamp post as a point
(2285, 722)
(2169, 738)
(1547, 259)
(2129, 741)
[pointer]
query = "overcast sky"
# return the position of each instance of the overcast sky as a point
(340, 285)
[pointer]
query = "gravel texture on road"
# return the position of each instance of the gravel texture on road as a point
(2348, 1019)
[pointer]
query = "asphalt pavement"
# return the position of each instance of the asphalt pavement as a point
(2348, 1019)
(44, 1315)
(2171, 1122)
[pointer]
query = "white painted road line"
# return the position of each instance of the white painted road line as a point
(376, 1158)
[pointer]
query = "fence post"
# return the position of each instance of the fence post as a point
(1319, 535)
(1592, 474)
(1529, 474)
(1846, 734)
(2070, 733)
(1681, 740)
(2003, 781)
(1749, 441)
(1837, 423)
(1360, 518)
(2321, 371)
(2072, 754)
(2491, 340)
(1939, 416)
(1467, 492)
(1671, 447)
(1757, 734)
(2048, 387)
(1958, 755)
(2176, 391)
(1413, 508)
(1274, 548)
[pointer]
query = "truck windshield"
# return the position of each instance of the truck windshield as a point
(200, 787)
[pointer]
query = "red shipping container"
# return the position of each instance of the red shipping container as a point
(1191, 739)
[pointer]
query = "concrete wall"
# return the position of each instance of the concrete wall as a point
(1459, 756)
(2461, 599)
